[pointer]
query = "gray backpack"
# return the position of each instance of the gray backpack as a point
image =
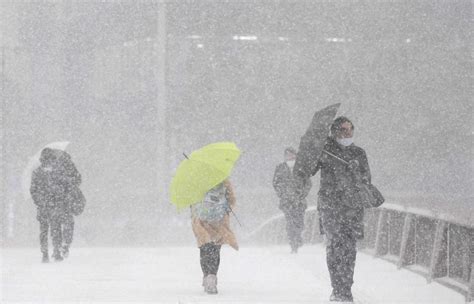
(214, 206)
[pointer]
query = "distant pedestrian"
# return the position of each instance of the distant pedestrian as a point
(292, 200)
(340, 211)
(55, 192)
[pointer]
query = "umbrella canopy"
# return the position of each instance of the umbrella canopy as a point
(313, 141)
(34, 162)
(201, 171)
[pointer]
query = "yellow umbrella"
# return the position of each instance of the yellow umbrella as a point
(201, 171)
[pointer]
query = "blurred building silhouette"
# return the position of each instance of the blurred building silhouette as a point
(133, 85)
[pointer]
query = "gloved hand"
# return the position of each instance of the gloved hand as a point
(353, 164)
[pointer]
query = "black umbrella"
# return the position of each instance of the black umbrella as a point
(313, 141)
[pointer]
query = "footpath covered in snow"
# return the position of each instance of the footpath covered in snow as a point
(173, 275)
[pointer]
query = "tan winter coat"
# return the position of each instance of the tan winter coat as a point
(219, 233)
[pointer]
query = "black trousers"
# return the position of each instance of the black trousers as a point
(210, 257)
(67, 230)
(59, 224)
(50, 226)
(294, 226)
(341, 251)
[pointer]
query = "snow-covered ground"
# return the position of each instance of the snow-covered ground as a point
(173, 275)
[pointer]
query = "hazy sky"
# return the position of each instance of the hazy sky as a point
(134, 85)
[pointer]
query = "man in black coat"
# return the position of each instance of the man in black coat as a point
(340, 210)
(292, 202)
(51, 186)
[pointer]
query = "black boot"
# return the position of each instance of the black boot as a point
(341, 297)
(45, 258)
(57, 256)
(294, 247)
(65, 251)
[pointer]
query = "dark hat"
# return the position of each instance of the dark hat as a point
(48, 156)
(336, 125)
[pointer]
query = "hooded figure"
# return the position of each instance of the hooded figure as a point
(340, 211)
(51, 185)
(292, 200)
(210, 236)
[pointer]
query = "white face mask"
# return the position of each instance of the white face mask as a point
(345, 141)
(290, 163)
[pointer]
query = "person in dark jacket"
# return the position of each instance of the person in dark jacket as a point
(51, 185)
(292, 201)
(340, 211)
(72, 179)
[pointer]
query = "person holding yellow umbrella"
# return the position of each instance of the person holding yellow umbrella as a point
(201, 183)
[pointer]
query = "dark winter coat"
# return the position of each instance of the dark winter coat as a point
(337, 196)
(51, 184)
(291, 194)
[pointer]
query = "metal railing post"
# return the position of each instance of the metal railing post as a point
(316, 230)
(312, 227)
(436, 251)
(432, 256)
(405, 237)
(380, 233)
(470, 294)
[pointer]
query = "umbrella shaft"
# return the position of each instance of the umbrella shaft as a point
(336, 157)
(235, 215)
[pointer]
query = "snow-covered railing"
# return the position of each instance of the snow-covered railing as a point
(435, 245)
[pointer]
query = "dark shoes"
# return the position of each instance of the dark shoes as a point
(344, 297)
(45, 258)
(57, 256)
(295, 245)
(65, 251)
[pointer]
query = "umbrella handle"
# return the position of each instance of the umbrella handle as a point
(232, 211)
(336, 157)
(357, 175)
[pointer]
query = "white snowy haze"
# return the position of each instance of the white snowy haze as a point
(134, 84)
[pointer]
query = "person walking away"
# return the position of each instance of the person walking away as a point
(51, 183)
(340, 212)
(292, 201)
(75, 201)
(211, 227)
